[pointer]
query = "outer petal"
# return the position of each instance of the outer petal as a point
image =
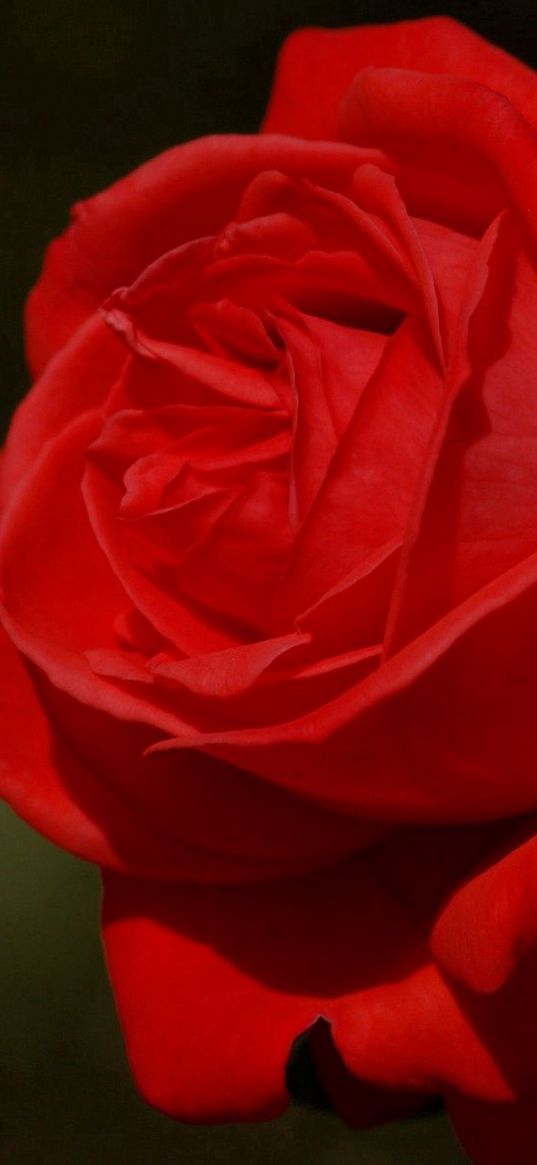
(495, 1133)
(359, 1104)
(160, 205)
(213, 985)
(316, 65)
(490, 923)
(212, 989)
(462, 150)
(52, 598)
(78, 379)
(44, 781)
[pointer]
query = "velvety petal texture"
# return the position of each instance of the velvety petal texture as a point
(268, 583)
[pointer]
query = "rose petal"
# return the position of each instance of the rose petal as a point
(348, 357)
(77, 380)
(490, 923)
(461, 150)
(450, 255)
(359, 1104)
(377, 464)
(479, 493)
(329, 240)
(213, 989)
(51, 598)
(160, 205)
(213, 985)
(129, 548)
(229, 330)
(468, 682)
(316, 66)
(225, 674)
(54, 613)
(495, 1133)
(376, 192)
(354, 610)
(47, 783)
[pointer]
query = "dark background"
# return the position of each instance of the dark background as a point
(89, 89)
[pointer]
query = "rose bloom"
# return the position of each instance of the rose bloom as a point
(268, 561)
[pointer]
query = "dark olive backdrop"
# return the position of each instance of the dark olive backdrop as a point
(89, 89)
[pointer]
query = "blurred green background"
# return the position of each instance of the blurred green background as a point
(87, 91)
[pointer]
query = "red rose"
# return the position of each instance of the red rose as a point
(269, 579)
